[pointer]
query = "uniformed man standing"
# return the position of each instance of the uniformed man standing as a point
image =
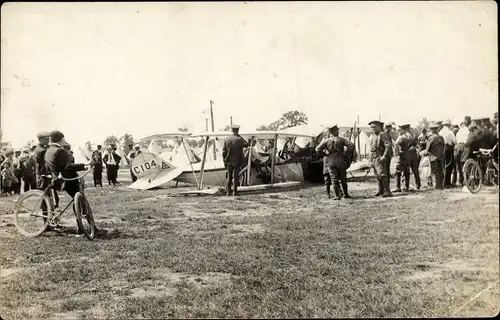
(413, 158)
(232, 155)
(435, 148)
(380, 154)
(334, 148)
(388, 130)
(39, 152)
(402, 166)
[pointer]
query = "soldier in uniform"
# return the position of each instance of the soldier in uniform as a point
(232, 155)
(413, 158)
(435, 150)
(381, 150)
(388, 130)
(41, 148)
(334, 148)
(402, 164)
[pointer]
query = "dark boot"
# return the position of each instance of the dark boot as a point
(346, 193)
(380, 188)
(328, 191)
(398, 183)
(407, 182)
(387, 192)
(336, 188)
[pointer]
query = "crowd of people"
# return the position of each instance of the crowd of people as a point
(440, 150)
(26, 167)
(437, 154)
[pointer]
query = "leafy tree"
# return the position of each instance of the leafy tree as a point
(4, 144)
(226, 128)
(183, 129)
(88, 146)
(422, 123)
(125, 141)
(287, 120)
(111, 140)
(29, 144)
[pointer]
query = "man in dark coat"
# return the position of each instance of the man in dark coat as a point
(335, 148)
(381, 152)
(435, 150)
(28, 166)
(232, 155)
(111, 160)
(39, 152)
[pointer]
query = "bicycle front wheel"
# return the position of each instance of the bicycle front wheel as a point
(84, 217)
(473, 176)
(32, 213)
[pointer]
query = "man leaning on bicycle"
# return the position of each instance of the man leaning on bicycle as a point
(57, 162)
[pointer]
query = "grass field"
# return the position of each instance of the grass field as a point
(270, 255)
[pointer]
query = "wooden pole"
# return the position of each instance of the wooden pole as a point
(202, 171)
(249, 164)
(231, 121)
(213, 126)
(273, 158)
(359, 144)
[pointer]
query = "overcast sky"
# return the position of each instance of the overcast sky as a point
(95, 69)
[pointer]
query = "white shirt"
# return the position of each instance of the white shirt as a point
(462, 134)
(448, 135)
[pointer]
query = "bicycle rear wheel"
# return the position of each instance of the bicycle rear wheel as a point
(84, 217)
(492, 172)
(32, 213)
(473, 176)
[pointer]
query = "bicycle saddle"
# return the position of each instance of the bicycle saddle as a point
(485, 151)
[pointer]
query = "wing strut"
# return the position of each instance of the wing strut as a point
(190, 164)
(273, 158)
(249, 165)
(202, 171)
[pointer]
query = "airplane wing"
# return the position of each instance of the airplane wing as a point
(255, 134)
(166, 136)
(150, 182)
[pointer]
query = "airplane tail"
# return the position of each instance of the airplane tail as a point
(152, 171)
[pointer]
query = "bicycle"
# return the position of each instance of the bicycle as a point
(473, 174)
(48, 214)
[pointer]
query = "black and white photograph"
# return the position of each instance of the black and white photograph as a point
(250, 160)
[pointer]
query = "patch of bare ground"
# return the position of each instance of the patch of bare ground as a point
(293, 254)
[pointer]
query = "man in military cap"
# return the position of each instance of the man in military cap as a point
(57, 162)
(449, 145)
(334, 148)
(28, 167)
(389, 130)
(435, 148)
(409, 141)
(41, 148)
(402, 166)
(381, 151)
(233, 157)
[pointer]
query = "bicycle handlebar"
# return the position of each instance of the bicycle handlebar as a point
(77, 178)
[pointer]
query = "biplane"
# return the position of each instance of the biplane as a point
(271, 167)
(289, 160)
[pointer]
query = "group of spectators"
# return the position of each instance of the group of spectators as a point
(19, 169)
